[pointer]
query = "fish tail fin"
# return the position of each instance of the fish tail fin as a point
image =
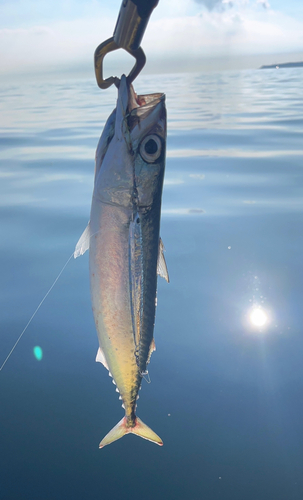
(142, 430)
(115, 433)
(139, 428)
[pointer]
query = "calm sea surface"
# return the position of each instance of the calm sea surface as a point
(226, 395)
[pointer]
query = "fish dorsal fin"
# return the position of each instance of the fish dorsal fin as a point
(101, 358)
(83, 243)
(161, 265)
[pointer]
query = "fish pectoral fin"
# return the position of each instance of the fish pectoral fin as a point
(101, 358)
(83, 243)
(140, 429)
(161, 265)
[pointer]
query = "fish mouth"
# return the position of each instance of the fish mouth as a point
(136, 101)
(141, 106)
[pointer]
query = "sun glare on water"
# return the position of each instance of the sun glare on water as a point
(258, 317)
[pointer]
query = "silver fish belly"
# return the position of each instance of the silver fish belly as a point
(125, 249)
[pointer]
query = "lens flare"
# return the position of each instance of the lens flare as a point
(38, 353)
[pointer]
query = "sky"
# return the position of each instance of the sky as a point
(182, 35)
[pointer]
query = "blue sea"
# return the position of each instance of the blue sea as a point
(226, 391)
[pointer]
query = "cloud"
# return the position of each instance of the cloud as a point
(264, 4)
(188, 38)
(234, 31)
(222, 5)
(58, 43)
(212, 4)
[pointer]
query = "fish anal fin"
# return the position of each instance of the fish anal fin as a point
(83, 243)
(151, 350)
(140, 429)
(161, 265)
(100, 358)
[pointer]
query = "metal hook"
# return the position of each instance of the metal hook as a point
(108, 46)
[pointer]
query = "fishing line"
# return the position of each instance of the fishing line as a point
(34, 314)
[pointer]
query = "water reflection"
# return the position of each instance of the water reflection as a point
(258, 317)
(232, 208)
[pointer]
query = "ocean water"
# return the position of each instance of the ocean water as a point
(226, 395)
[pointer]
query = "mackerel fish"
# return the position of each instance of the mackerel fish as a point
(125, 249)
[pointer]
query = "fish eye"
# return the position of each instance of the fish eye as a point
(150, 148)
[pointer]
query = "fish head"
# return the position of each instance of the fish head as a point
(130, 157)
(147, 123)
